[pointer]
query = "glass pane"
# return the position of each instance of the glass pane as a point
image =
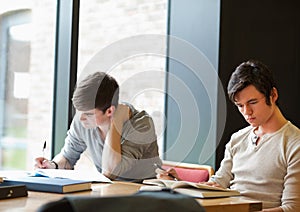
(26, 82)
(109, 32)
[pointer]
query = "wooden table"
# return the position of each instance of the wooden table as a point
(37, 199)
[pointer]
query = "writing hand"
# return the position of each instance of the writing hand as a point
(43, 163)
(169, 174)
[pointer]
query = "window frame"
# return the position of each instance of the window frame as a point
(65, 70)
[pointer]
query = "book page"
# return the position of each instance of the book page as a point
(181, 184)
(14, 173)
(205, 193)
(159, 182)
(93, 176)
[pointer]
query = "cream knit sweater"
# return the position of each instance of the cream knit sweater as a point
(269, 172)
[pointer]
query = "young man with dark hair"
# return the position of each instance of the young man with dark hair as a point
(262, 161)
(120, 140)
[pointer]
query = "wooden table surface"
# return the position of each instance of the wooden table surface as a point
(37, 199)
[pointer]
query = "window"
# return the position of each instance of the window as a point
(109, 34)
(27, 78)
(27, 34)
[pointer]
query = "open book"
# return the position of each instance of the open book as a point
(197, 190)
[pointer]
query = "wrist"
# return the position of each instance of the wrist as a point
(54, 163)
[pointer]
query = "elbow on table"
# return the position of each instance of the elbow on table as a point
(109, 175)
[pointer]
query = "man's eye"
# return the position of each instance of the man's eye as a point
(253, 102)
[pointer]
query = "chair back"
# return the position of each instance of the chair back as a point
(189, 171)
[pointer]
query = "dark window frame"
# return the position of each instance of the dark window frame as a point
(65, 73)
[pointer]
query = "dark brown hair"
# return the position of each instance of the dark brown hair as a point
(98, 90)
(254, 73)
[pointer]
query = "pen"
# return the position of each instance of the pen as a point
(44, 147)
(161, 168)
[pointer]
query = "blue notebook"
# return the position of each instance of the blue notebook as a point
(54, 185)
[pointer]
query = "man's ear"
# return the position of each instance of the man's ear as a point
(274, 94)
(110, 111)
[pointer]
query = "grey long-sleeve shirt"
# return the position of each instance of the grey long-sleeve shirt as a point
(269, 172)
(138, 145)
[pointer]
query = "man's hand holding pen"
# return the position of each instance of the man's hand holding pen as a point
(166, 174)
(43, 163)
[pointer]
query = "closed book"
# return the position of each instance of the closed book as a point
(54, 185)
(12, 191)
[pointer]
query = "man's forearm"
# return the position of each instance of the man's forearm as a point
(111, 156)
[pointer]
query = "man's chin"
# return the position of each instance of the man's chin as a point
(88, 126)
(253, 124)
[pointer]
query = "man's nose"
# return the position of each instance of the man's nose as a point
(82, 117)
(247, 109)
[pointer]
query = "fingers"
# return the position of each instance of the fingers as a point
(214, 184)
(42, 163)
(160, 171)
(162, 174)
(172, 172)
(169, 174)
(164, 177)
(39, 163)
(119, 116)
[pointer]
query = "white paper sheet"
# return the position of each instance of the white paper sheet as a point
(93, 176)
